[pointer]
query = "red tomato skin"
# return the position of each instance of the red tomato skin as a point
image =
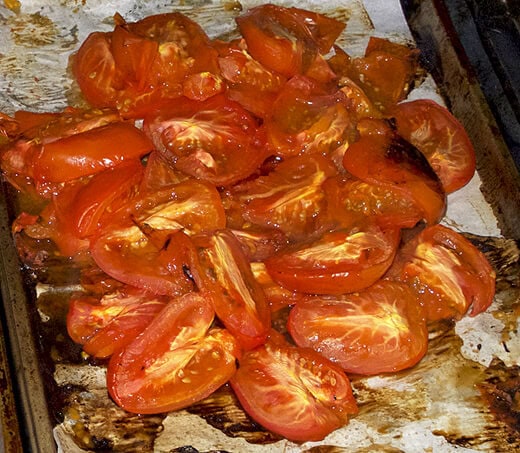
(126, 326)
(381, 156)
(275, 384)
(381, 329)
(101, 195)
(440, 137)
(90, 152)
(338, 262)
(447, 271)
(175, 362)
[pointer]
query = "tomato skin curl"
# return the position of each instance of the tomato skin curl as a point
(293, 391)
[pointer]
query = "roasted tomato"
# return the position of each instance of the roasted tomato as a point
(341, 261)
(448, 273)
(381, 156)
(294, 392)
(238, 299)
(89, 152)
(440, 137)
(381, 329)
(351, 201)
(176, 361)
(306, 118)
(250, 83)
(385, 73)
(141, 64)
(289, 41)
(103, 326)
(216, 140)
(289, 198)
(147, 244)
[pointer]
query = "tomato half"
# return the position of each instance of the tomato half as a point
(294, 392)
(81, 208)
(385, 73)
(217, 140)
(337, 262)
(381, 156)
(448, 273)
(381, 329)
(176, 361)
(440, 137)
(238, 299)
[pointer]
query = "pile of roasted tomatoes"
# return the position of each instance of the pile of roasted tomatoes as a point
(210, 186)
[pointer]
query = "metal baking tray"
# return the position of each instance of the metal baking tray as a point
(462, 395)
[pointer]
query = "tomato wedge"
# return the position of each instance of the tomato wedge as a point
(381, 156)
(294, 392)
(379, 330)
(238, 299)
(103, 326)
(351, 201)
(440, 137)
(90, 152)
(448, 273)
(307, 118)
(337, 262)
(177, 360)
(289, 198)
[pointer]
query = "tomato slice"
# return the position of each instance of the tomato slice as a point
(217, 140)
(381, 156)
(440, 137)
(448, 273)
(294, 392)
(90, 152)
(337, 262)
(238, 299)
(175, 362)
(381, 329)
(289, 198)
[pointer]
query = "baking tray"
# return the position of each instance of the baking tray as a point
(461, 397)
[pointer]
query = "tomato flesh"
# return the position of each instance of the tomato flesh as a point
(176, 361)
(448, 273)
(293, 392)
(379, 330)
